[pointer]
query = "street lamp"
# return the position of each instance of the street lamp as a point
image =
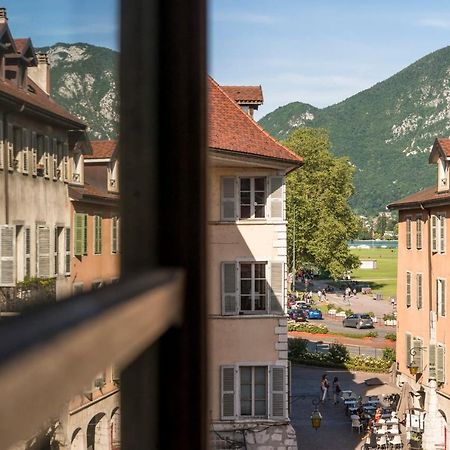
(413, 366)
(316, 417)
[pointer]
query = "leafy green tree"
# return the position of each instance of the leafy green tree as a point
(318, 212)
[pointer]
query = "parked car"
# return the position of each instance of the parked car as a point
(314, 314)
(303, 305)
(299, 315)
(358, 321)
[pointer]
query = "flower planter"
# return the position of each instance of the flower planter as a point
(415, 445)
(391, 323)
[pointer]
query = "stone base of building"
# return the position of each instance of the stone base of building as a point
(253, 436)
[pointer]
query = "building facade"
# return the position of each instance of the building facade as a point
(247, 280)
(422, 306)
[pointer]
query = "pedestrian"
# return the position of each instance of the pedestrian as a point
(324, 385)
(336, 390)
(319, 293)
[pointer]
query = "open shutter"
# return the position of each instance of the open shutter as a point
(276, 198)
(34, 161)
(278, 386)
(276, 291)
(442, 234)
(432, 361)
(85, 232)
(440, 364)
(228, 392)
(66, 161)
(25, 151)
(433, 233)
(10, 139)
(27, 269)
(417, 358)
(54, 158)
(46, 156)
(78, 234)
(7, 255)
(229, 290)
(228, 200)
(43, 251)
(408, 348)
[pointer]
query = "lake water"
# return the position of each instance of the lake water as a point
(372, 243)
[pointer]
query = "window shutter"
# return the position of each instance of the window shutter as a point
(85, 232)
(228, 392)
(54, 158)
(229, 291)
(278, 385)
(2, 144)
(408, 288)
(7, 255)
(66, 161)
(432, 361)
(276, 197)
(67, 249)
(114, 235)
(25, 150)
(442, 234)
(419, 233)
(27, 242)
(419, 290)
(97, 235)
(46, 156)
(43, 251)
(443, 298)
(433, 233)
(440, 364)
(276, 291)
(33, 153)
(408, 232)
(78, 234)
(408, 349)
(10, 138)
(417, 358)
(228, 201)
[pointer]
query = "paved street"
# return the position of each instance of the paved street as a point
(335, 432)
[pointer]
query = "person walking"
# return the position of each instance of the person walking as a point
(336, 390)
(324, 385)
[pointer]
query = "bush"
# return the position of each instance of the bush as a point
(297, 347)
(391, 336)
(370, 313)
(348, 312)
(307, 327)
(339, 309)
(389, 317)
(338, 353)
(389, 355)
(331, 306)
(372, 334)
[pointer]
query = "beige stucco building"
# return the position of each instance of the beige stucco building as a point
(248, 361)
(422, 301)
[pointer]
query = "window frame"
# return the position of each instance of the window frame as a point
(252, 192)
(253, 279)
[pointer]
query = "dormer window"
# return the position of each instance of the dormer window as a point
(113, 174)
(442, 174)
(77, 168)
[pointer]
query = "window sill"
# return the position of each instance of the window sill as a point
(249, 316)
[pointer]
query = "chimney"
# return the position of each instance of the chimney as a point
(3, 16)
(41, 73)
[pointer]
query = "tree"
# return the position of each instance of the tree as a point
(317, 205)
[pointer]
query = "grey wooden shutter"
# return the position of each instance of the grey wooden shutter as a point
(54, 158)
(419, 232)
(228, 199)
(7, 255)
(432, 361)
(2, 144)
(43, 251)
(67, 251)
(228, 389)
(27, 242)
(25, 151)
(46, 156)
(10, 138)
(419, 290)
(417, 358)
(229, 288)
(442, 234)
(34, 160)
(66, 161)
(276, 197)
(440, 364)
(276, 291)
(433, 233)
(408, 348)
(408, 232)
(278, 394)
(408, 288)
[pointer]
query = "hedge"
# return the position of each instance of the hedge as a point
(307, 327)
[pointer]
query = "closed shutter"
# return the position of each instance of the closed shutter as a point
(229, 288)
(433, 233)
(67, 252)
(419, 290)
(276, 291)
(408, 349)
(78, 234)
(276, 197)
(85, 233)
(54, 158)
(2, 144)
(408, 232)
(43, 251)
(66, 161)
(432, 362)
(228, 200)
(442, 234)
(440, 364)
(419, 233)
(97, 235)
(34, 160)
(46, 156)
(278, 386)
(25, 151)
(114, 230)
(417, 357)
(10, 139)
(228, 392)
(27, 243)
(7, 255)
(408, 288)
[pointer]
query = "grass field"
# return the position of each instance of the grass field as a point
(383, 279)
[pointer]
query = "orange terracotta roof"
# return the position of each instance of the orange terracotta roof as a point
(424, 197)
(445, 145)
(233, 130)
(102, 149)
(21, 43)
(89, 191)
(251, 94)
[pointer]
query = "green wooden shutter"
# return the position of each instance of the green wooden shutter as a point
(276, 291)
(278, 392)
(440, 364)
(43, 251)
(276, 198)
(7, 255)
(228, 198)
(85, 234)
(228, 392)
(97, 235)
(432, 361)
(78, 234)
(229, 288)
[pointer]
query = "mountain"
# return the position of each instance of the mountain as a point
(84, 81)
(386, 131)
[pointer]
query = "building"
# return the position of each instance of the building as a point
(249, 98)
(248, 360)
(423, 316)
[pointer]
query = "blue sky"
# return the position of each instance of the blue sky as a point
(318, 52)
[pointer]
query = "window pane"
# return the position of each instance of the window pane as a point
(246, 408)
(260, 198)
(246, 270)
(260, 270)
(246, 287)
(260, 212)
(245, 212)
(260, 184)
(260, 286)
(260, 408)
(260, 375)
(246, 303)
(260, 303)
(246, 375)
(245, 184)
(245, 198)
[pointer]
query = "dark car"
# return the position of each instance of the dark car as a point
(298, 315)
(314, 314)
(358, 321)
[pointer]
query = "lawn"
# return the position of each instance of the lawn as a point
(383, 279)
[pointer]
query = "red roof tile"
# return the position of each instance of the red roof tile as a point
(232, 129)
(21, 43)
(251, 94)
(90, 191)
(445, 145)
(424, 197)
(102, 149)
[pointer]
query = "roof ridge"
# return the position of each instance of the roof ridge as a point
(253, 122)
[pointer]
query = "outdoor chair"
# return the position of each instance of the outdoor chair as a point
(382, 443)
(397, 442)
(356, 424)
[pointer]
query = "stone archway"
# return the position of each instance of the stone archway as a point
(115, 429)
(77, 440)
(97, 434)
